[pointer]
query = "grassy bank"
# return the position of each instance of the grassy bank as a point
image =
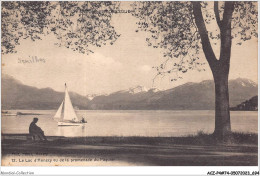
(197, 150)
(198, 139)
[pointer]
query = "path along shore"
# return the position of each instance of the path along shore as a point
(200, 150)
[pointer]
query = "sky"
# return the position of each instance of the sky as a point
(125, 64)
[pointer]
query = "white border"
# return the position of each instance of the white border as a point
(137, 170)
(156, 170)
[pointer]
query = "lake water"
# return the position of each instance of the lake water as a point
(131, 123)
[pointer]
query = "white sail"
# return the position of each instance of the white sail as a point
(69, 113)
(58, 113)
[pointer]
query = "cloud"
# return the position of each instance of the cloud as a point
(101, 60)
(146, 68)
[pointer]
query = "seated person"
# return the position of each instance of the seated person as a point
(34, 130)
(83, 120)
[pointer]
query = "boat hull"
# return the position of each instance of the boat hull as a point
(71, 124)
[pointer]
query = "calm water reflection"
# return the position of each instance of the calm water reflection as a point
(131, 123)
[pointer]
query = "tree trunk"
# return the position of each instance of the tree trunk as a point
(220, 68)
(222, 114)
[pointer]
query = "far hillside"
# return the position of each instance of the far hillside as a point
(189, 96)
(248, 105)
(16, 95)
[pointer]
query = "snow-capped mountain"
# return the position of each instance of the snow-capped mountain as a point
(245, 82)
(154, 90)
(137, 89)
(187, 96)
(132, 90)
(16, 95)
(91, 96)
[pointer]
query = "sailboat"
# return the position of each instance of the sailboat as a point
(65, 114)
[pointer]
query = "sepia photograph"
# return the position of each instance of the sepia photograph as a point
(129, 83)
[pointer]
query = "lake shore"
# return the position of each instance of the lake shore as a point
(199, 150)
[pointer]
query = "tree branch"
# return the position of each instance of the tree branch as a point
(228, 11)
(217, 14)
(226, 41)
(206, 46)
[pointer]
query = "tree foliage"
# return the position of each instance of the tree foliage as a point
(22, 20)
(77, 25)
(171, 26)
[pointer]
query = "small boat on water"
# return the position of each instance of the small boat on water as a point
(4, 112)
(7, 113)
(66, 114)
(27, 113)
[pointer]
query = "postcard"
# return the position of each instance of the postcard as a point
(129, 83)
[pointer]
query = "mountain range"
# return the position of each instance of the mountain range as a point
(189, 96)
(16, 95)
